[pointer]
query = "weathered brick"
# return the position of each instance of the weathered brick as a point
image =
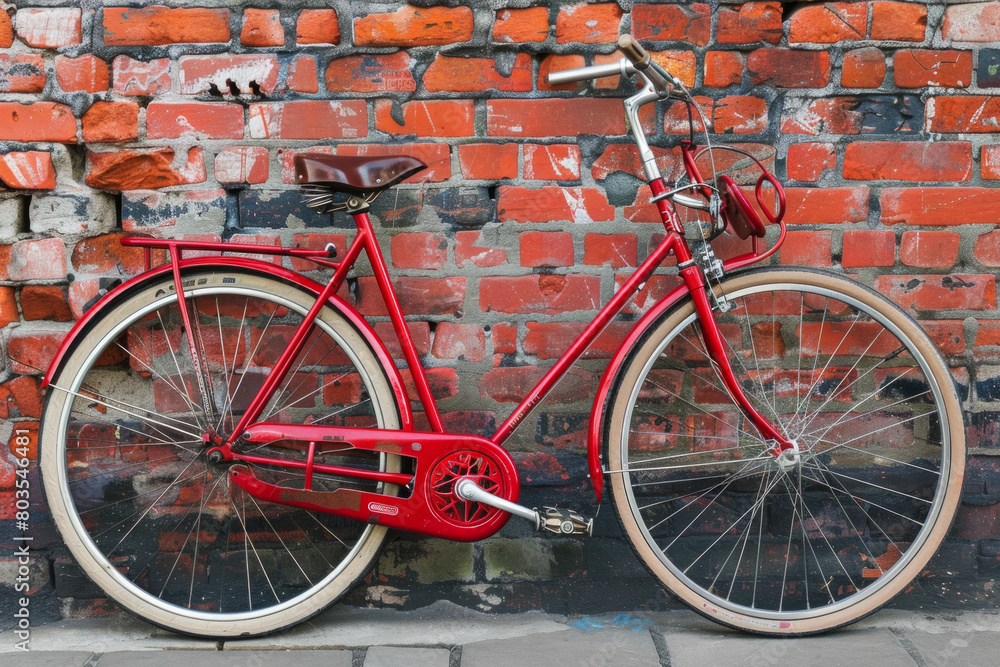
(989, 162)
(29, 170)
(261, 28)
(246, 73)
(863, 68)
(550, 204)
(488, 161)
(32, 350)
(556, 63)
(194, 120)
(436, 156)
(467, 250)
(723, 68)
(682, 64)
(929, 249)
(898, 21)
(517, 26)
(49, 28)
(673, 23)
(556, 162)
(37, 259)
(450, 74)
(788, 68)
(6, 31)
(371, 73)
(431, 118)
(749, 23)
(913, 68)
(417, 296)
(972, 22)
(549, 294)
(317, 26)
(826, 205)
(136, 170)
(420, 332)
(939, 205)
(111, 122)
(38, 121)
(937, 292)
(554, 118)
(807, 162)
(87, 73)
(421, 250)
(302, 76)
(828, 23)
(589, 24)
(510, 385)
(105, 254)
(868, 247)
(459, 341)
(908, 161)
(8, 305)
(807, 248)
(309, 119)
(963, 113)
(614, 250)
(546, 249)
(71, 212)
(45, 302)
(22, 73)
(413, 26)
(242, 164)
(201, 211)
(154, 26)
(136, 77)
(882, 114)
(987, 248)
(736, 114)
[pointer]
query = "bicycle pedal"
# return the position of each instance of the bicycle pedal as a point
(565, 522)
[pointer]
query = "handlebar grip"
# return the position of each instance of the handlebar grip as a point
(633, 51)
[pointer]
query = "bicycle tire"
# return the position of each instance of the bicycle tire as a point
(161, 530)
(808, 542)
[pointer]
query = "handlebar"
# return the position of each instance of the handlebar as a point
(636, 60)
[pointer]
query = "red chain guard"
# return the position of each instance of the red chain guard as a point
(431, 508)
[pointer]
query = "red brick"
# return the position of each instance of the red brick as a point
(749, 23)
(556, 162)
(739, 115)
(142, 170)
(309, 119)
(908, 161)
(317, 26)
(372, 73)
(459, 341)
(625, 158)
(826, 205)
(554, 117)
(787, 68)
(682, 64)
(490, 162)
(6, 31)
(88, 74)
(262, 27)
(413, 26)
(549, 294)
(111, 122)
(833, 115)
(940, 292)
(466, 250)
(49, 28)
(929, 249)
(37, 259)
(437, 157)
(135, 77)
(302, 77)
(898, 21)
(865, 247)
(989, 162)
(242, 164)
(556, 63)
(443, 382)
(198, 74)
(194, 120)
(677, 121)
(8, 305)
(590, 24)
(546, 249)
(5, 254)
(605, 82)
(828, 23)
(863, 68)
(45, 302)
(510, 385)
(432, 118)
(963, 113)
(939, 206)
(517, 26)
(153, 26)
(987, 248)
(504, 338)
(673, 23)
(22, 74)
(316, 242)
(421, 250)
(27, 396)
(913, 68)
(28, 170)
(31, 351)
(614, 250)
(723, 68)
(948, 336)
(973, 22)
(420, 332)
(417, 296)
(549, 204)
(105, 254)
(807, 248)
(549, 340)
(39, 121)
(806, 162)
(450, 74)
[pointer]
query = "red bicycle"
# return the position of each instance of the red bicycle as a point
(226, 442)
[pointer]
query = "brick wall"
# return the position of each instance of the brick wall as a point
(182, 121)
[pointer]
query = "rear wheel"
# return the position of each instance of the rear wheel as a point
(156, 525)
(826, 533)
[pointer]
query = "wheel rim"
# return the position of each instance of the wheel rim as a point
(207, 531)
(715, 522)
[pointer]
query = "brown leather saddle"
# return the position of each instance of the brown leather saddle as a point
(359, 175)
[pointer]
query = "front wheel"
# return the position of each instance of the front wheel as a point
(829, 531)
(158, 526)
